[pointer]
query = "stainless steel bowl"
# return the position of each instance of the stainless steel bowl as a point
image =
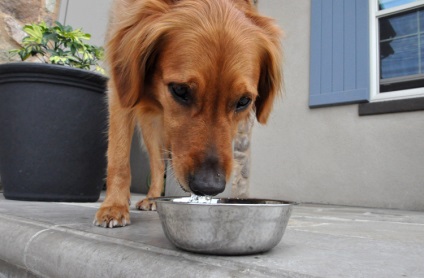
(225, 226)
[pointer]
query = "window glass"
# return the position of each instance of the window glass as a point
(387, 4)
(399, 25)
(422, 53)
(401, 50)
(403, 57)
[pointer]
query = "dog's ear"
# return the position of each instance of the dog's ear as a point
(133, 47)
(270, 80)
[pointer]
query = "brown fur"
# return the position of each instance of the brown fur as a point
(223, 49)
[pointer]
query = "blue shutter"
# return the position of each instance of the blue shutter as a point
(339, 52)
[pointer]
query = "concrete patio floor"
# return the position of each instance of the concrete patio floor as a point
(59, 240)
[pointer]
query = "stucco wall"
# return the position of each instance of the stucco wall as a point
(331, 155)
(91, 15)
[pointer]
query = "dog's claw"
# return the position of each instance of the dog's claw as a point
(146, 204)
(112, 216)
(111, 224)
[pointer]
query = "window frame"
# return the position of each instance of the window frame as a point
(375, 15)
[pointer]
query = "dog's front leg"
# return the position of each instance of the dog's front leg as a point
(152, 130)
(114, 210)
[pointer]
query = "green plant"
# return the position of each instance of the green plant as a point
(60, 45)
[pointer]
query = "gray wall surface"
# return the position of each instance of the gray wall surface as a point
(323, 155)
(331, 155)
(91, 15)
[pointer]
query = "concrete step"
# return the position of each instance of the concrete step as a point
(39, 239)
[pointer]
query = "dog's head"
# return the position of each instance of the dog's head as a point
(206, 65)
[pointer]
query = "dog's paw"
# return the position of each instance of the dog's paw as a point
(112, 216)
(146, 204)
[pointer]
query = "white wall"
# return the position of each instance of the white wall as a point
(331, 155)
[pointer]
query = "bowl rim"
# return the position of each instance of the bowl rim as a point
(276, 203)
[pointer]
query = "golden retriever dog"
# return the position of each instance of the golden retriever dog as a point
(187, 72)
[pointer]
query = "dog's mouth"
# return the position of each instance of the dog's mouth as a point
(188, 190)
(208, 179)
(183, 188)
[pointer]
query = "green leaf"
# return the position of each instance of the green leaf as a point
(60, 44)
(73, 49)
(58, 60)
(24, 55)
(74, 59)
(100, 69)
(50, 37)
(86, 37)
(34, 32)
(58, 24)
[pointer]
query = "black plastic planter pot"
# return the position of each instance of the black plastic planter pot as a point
(53, 122)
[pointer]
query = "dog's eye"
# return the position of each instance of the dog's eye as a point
(180, 92)
(243, 103)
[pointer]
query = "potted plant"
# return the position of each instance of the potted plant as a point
(53, 118)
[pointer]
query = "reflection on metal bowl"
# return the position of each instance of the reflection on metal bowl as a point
(224, 226)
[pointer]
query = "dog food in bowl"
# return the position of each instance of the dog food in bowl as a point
(223, 226)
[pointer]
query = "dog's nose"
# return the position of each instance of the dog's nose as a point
(208, 179)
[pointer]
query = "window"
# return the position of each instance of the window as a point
(367, 51)
(397, 49)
